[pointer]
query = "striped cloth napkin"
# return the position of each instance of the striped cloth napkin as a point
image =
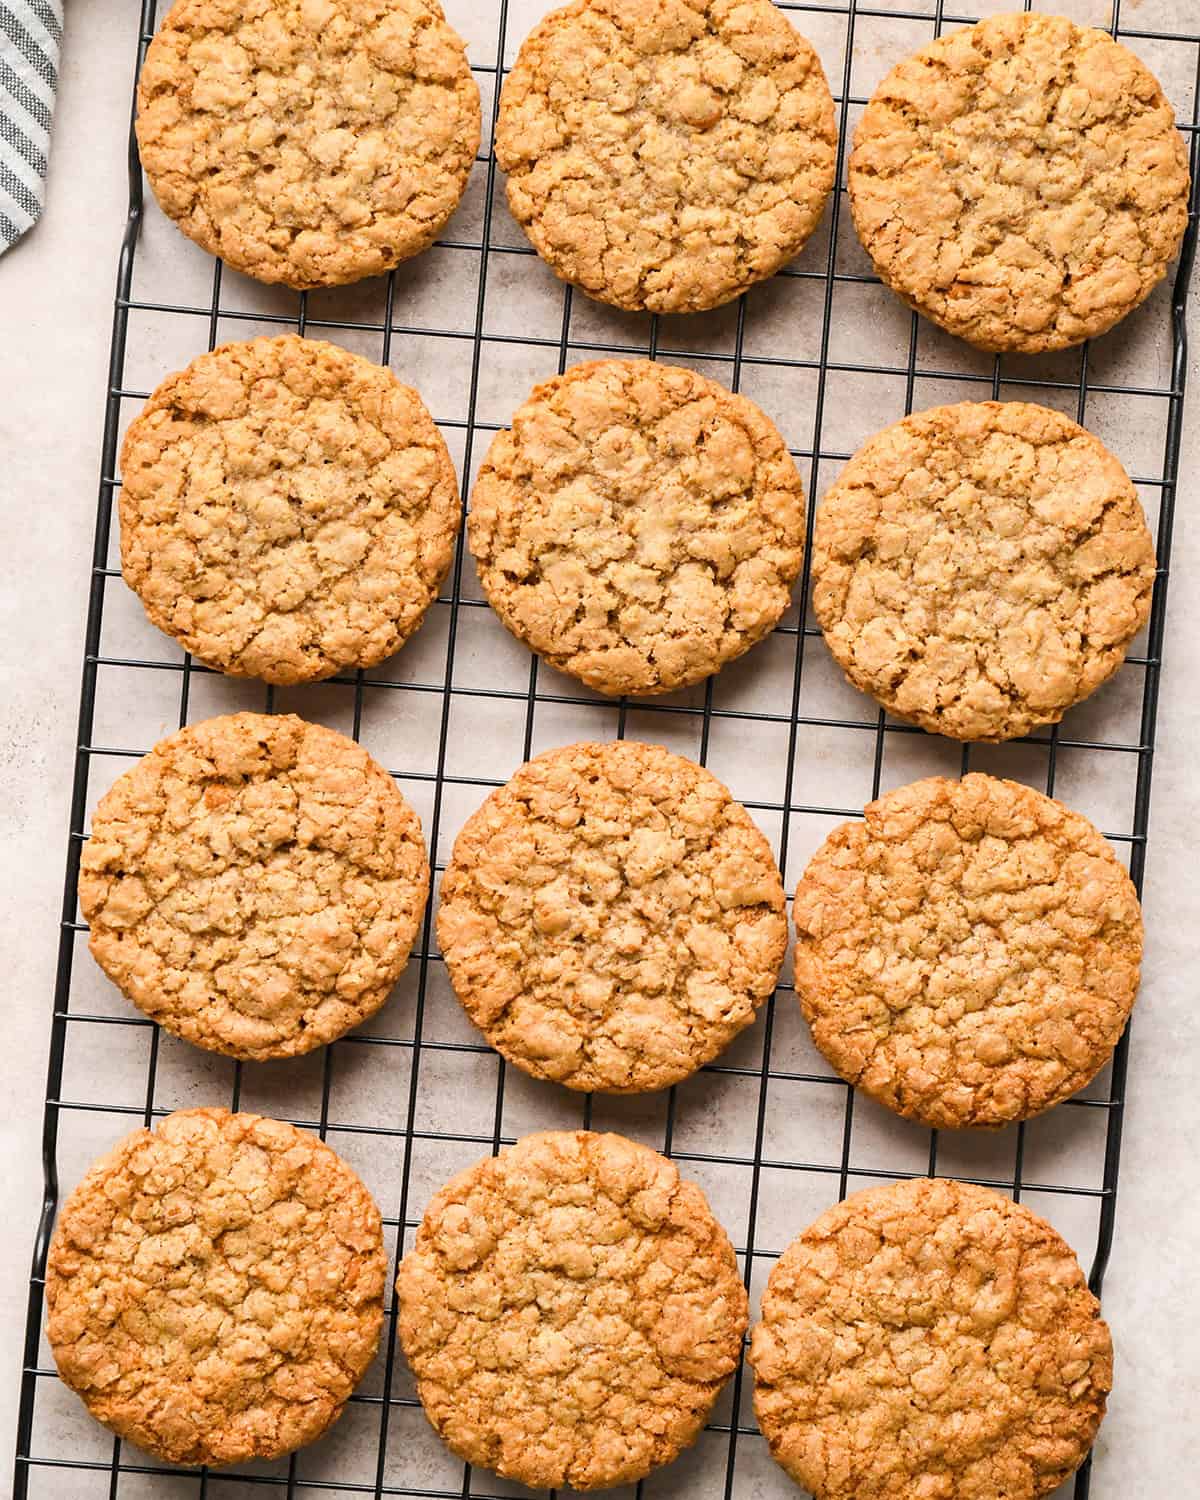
(30, 34)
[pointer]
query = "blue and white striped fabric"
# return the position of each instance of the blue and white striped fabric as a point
(30, 34)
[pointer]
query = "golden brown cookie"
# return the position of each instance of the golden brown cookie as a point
(666, 156)
(930, 1340)
(979, 568)
(1021, 182)
(287, 509)
(570, 1310)
(310, 142)
(968, 954)
(612, 918)
(639, 526)
(215, 1287)
(254, 884)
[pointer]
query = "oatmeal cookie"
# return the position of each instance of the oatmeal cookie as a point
(927, 1340)
(571, 1310)
(215, 1288)
(930, 1340)
(1020, 182)
(288, 509)
(309, 142)
(612, 918)
(969, 953)
(639, 526)
(254, 884)
(666, 156)
(980, 568)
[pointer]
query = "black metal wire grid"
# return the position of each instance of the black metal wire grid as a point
(49, 1459)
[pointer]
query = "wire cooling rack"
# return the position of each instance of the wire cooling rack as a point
(768, 1132)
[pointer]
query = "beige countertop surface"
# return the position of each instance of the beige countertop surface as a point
(56, 293)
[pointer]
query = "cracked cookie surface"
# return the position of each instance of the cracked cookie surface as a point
(980, 568)
(969, 953)
(570, 1310)
(638, 526)
(667, 155)
(1021, 182)
(254, 884)
(309, 142)
(215, 1287)
(287, 509)
(612, 918)
(929, 1339)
